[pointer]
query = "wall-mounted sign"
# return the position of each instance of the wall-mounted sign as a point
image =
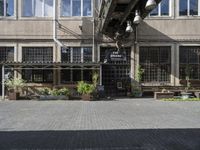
(118, 56)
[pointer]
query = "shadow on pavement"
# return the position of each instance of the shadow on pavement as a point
(136, 139)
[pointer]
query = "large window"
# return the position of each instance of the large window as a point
(76, 74)
(188, 7)
(189, 58)
(6, 54)
(37, 54)
(37, 8)
(76, 54)
(76, 8)
(156, 62)
(163, 9)
(38, 76)
(6, 8)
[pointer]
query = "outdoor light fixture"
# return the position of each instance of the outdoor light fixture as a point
(129, 28)
(150, 5)
(137, 17)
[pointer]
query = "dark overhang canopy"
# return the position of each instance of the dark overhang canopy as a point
(114, 14)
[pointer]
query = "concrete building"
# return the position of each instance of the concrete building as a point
(57, 43)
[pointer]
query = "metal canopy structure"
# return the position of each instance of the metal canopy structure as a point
(45, 66)
(114, 15)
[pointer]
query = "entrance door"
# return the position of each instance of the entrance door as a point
(115, 79)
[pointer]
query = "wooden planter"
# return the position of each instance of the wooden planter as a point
(160, 95)
(13, 95)
(86, 97)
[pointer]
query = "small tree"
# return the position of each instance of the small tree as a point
(187, 77)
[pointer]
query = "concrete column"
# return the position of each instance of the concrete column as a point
(177, 65)
(173, 63)
(132, 71)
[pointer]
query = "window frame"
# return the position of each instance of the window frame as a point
(63, 16)
(43, 11)
(5, 10)
(188, 10)
(82, 55)
(161, 64)
(159, 11)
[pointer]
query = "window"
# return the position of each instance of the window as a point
(76, 8)
(156, 62)
(76, 54)
(189, 58)
(37, 75)
(6, 8)
(37, 8)
(163, 9)
(6, 54)
(188, 7)
(76, 74)
(37, 54)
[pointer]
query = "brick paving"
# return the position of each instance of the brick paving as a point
(121, 124)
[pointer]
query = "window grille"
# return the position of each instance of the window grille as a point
(189, 62)
(37, 76)
(156, 62)
(6, 54)
(37, 54)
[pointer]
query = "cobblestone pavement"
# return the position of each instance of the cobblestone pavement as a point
(121, 124)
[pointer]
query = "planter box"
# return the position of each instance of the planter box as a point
(13, 95)
(51, 97)
(160, 95)
(86, 97)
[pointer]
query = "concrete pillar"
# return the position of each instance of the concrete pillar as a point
(177, 65)
(173, 65)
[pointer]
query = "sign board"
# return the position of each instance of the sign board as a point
(118, 56)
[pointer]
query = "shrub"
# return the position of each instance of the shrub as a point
(15, 84)
(44, 91)
(85, 88)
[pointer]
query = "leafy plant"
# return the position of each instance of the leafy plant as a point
(15, 84)
(45, 91)
(95, 79)
(139, 73)
(85, 88)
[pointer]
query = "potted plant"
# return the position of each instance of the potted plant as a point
(86, 90)
(14, 86)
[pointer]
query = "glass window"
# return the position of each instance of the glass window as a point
(37, 8)
(76, 54)
(65, 54)
(87, 8)
(87, 54)
(65, 76)
(66, 8)
(189, 59)
(76, 8)
(156, 62)
(188, 7)
(38, 75)
(162, 9)
(6, 7)
(6, 53)
(37, 54)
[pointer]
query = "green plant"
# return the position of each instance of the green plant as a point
(85, 88)
(139, 73)
(187, 77)
(44, 91)
(95, 79)
(64, 91)
(15, 84)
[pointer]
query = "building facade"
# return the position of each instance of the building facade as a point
(55, 43)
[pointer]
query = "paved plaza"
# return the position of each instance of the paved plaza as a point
(121, 124)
